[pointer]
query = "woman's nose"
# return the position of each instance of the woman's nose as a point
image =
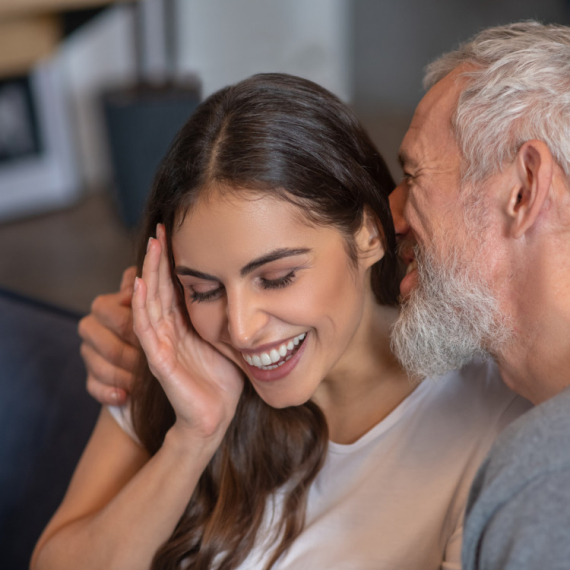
(246, 320)
(398, 199)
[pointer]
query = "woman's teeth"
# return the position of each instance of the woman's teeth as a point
(412, 266)
(275, 357)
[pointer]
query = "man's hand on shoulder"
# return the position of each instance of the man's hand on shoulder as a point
(110, 348)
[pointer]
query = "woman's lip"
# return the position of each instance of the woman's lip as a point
(266, 347)
(279, 372)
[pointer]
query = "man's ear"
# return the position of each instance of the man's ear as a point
(534, 170)
(369, 240)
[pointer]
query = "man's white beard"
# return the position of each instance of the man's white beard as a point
(449, 318)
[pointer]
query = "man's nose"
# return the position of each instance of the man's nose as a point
(246, 319)
(398, 199)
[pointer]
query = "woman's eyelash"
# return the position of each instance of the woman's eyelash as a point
(196, 297)
(278, 283)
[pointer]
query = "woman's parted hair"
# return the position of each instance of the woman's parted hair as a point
(284, 135)
(518, 89)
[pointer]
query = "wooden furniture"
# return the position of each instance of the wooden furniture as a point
(30, 30)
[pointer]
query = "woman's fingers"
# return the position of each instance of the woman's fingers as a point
(142, 322)
(151, 279)
(165, 286)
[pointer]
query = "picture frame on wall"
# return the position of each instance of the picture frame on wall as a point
(38, 170)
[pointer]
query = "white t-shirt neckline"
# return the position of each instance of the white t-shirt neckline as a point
(407, 405)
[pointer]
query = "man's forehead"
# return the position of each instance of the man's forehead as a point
(442, 98)
(432, 119)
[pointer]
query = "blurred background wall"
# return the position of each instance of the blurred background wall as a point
(67, 248)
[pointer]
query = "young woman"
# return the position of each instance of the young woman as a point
(273, 427)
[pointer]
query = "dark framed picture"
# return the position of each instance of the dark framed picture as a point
(19, 135)
(38, 168)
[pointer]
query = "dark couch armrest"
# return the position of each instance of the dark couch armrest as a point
(46, 417)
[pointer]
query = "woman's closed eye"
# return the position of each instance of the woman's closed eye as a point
(206, 295)
(199, 294)
(278, 282)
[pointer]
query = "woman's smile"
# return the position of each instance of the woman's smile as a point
(271, 358)
(281, 361)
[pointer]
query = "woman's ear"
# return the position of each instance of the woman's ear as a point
(534, 171)
(369, 240)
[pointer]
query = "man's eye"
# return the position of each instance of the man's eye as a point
(278, 283)
(197, 297)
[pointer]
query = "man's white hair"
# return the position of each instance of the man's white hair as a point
(518, 89)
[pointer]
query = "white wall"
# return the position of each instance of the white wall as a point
(227, 40)
(99, 55)
(222, 41)
(395, 39)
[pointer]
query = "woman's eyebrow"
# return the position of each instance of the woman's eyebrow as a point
(251, 266)
(271, 256)
(183, 270)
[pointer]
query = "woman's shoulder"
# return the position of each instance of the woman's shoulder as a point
(477, 395)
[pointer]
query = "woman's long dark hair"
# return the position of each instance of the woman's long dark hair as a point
(284, 135)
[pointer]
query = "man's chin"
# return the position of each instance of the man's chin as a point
(424, 355)
(432, 335)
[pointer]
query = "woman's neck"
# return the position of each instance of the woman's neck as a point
(367, 383)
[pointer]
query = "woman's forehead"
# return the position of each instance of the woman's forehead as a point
(244, 226)
(248, 207)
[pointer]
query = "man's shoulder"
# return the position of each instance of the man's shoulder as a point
(529, 459)
(535, 442)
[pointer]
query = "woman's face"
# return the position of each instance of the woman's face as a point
(272, 292)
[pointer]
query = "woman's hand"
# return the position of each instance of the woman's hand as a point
(202, 385)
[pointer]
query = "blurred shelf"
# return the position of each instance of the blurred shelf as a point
(30, 30)
(20, 7)
(25, 41)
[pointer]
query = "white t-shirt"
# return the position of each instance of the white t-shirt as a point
(394, 499)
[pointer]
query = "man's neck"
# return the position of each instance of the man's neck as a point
(537, 363)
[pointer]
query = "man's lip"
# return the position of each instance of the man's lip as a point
(408, 257)
(409, 282)
(406, 250)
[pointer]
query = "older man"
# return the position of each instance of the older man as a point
(486, 165)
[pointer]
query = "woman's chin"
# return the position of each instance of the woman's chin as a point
(280, 398)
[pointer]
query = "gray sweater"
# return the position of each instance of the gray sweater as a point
(518, 514)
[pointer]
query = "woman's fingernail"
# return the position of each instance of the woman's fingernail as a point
(136, 284)
(148, 244)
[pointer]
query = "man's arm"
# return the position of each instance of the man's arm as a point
(110, 348)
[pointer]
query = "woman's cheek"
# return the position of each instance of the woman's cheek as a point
(207, 320)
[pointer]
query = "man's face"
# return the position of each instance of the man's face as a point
(431, 164)
(449, 310)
